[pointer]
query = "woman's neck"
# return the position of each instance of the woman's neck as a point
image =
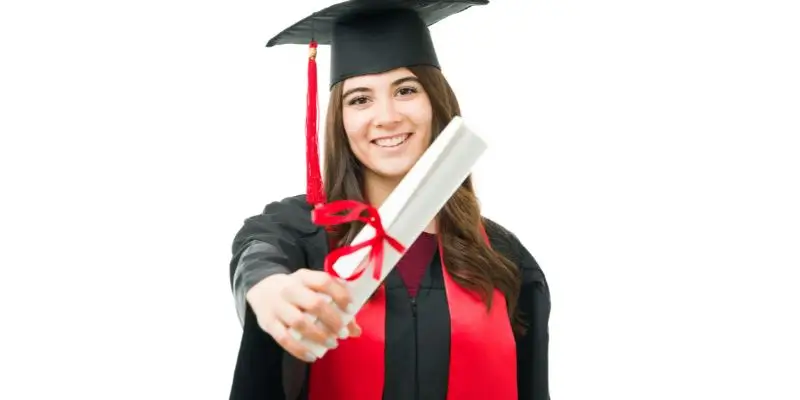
(377, 189)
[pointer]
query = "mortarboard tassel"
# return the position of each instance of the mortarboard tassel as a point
(314, 192)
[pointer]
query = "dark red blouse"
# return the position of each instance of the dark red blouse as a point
(416, 259)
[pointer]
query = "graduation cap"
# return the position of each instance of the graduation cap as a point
(366, 37)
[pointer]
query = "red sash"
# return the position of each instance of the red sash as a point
(482, 351)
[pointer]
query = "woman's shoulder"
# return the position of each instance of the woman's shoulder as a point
(502, 239)
(509, 245)
(287, 219)
(291, 212)
(288, 206)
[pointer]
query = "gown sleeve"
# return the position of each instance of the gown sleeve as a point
(272, 242)
(275, 241)
(532, 348)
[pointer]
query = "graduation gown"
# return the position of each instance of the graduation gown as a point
(417, 330)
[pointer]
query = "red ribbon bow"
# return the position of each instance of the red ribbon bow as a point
(326, 215)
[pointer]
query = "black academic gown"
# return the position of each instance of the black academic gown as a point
(283, 238)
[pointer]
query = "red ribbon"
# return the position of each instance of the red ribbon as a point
(327, 215)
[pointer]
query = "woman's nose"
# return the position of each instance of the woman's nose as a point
(387, 114)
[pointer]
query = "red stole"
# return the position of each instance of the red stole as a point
(482, 351)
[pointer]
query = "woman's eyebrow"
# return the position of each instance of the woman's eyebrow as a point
(395, 83)
(355, 90)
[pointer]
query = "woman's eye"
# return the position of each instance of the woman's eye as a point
(405, 91)
(357, 101)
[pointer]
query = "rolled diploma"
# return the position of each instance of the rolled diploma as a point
(408, 210)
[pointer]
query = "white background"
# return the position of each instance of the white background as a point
(646, 153)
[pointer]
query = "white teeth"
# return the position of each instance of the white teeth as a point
(392, 141)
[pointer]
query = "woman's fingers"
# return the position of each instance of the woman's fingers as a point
(293, 317)
(318, 305)
(354, 328)
(322, 282)
(279, 331)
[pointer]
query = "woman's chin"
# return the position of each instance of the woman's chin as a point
(393, 172)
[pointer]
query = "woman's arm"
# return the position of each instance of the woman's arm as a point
(267, 244)
(532, 348)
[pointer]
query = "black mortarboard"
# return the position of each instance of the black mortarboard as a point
(366, 37)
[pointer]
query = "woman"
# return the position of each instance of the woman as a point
(463, 315)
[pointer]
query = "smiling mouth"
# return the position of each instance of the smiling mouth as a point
(392, 141)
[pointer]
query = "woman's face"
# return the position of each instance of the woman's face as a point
(387, 118)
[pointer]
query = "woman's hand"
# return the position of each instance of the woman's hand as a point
(280, 301)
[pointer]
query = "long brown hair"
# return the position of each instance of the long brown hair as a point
(469, 260)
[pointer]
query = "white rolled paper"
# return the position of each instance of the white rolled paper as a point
(409, 209)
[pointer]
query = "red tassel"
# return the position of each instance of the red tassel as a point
(314, 191)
